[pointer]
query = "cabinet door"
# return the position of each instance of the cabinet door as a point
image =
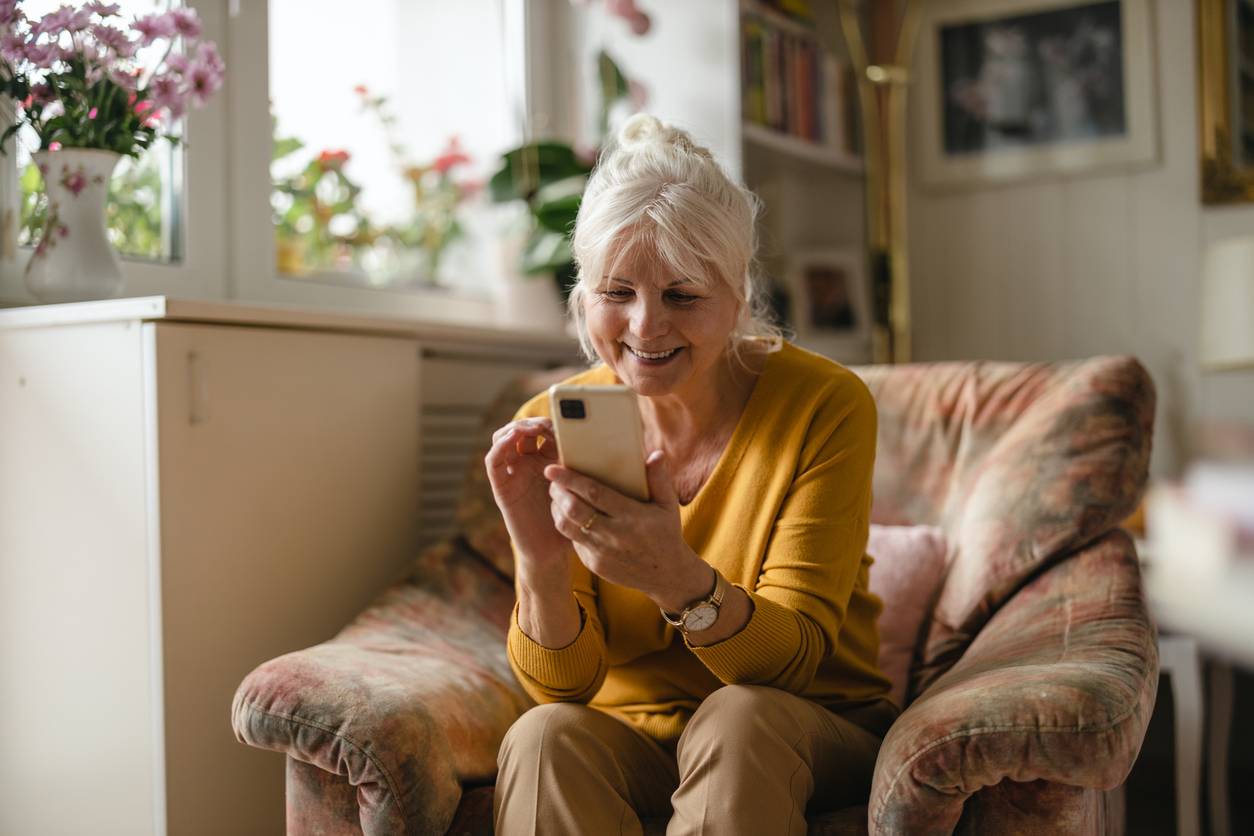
(77, 706)
(288, 499)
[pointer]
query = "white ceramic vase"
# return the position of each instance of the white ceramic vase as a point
(74, 261)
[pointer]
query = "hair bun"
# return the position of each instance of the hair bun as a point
(643, 129)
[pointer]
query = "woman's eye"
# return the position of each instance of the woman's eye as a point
(617, 294)
(682, 298)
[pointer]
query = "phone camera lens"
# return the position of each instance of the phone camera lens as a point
(572, 408)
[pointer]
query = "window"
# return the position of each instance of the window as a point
(381, 155)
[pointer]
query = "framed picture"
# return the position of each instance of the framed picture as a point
(828, 303)
(1016, 89)
(1225, 41)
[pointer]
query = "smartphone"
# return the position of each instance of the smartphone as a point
(599, 434)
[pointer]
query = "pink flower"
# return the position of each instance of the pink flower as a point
(177, 63)
(9, 14)
(103, 9)
(186, 22)
(91, 114)
(12, 47)
(53, 146)
(114, 39)
(43, 56)
(125, 79)
(53, 23)
(153, 28)
(207, 54)
(42, 94)
(79, 20)
(204, 83)
(75, 181)
(166, 91)
(450, 157)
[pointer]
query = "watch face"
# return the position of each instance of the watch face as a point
(701, 617)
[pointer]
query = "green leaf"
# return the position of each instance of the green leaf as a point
(529, 167)
(545, 250)
(557, 205)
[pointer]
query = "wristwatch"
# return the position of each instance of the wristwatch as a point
(702, 614)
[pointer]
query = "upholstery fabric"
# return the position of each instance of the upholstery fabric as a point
(1035, 678)
(1019, 464)
(1058, 686)
(407, 702)
(906, 575)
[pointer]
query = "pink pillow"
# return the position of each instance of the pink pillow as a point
(909, 564)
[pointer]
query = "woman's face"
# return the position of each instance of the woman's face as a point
(659, 334)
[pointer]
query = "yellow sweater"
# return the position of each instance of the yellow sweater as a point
(785, 516)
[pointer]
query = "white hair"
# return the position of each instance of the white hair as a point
(656, 188)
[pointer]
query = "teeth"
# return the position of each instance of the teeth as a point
(647, 356)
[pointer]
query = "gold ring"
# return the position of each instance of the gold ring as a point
(588, 525)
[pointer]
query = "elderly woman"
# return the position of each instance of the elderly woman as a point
(708, 656)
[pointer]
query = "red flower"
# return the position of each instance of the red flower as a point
(333, 160)
(451, 156)
(361, 90)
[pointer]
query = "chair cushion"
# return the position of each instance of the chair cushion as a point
(906, 575)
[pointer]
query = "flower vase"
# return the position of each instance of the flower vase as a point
(73, 260)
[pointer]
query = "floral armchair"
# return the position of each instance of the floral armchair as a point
(1034, 676)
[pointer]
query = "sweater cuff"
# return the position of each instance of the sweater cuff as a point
(568, 668)
(753, 654)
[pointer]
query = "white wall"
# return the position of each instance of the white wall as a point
(1103, 264)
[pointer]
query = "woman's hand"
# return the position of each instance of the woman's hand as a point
(627, 542)
(520, 452)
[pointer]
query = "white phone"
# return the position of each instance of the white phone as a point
(599, 434)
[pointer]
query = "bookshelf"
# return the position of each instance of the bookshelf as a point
(800, 142)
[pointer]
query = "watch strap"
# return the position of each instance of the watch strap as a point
(714, 598)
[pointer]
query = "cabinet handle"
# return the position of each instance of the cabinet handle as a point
(197, 395)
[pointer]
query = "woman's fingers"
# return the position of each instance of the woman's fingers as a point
(573, 517)
(596, 494)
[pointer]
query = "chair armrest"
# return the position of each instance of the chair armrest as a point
(407, 702)
(1058, 686)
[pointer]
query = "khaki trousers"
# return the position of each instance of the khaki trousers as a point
(749, 761)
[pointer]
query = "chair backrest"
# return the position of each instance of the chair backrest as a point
(1018, 463)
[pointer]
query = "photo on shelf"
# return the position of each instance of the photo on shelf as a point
(1029, 88)
(828, 302)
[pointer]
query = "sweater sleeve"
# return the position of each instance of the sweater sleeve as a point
(814, 554)
(573, 673)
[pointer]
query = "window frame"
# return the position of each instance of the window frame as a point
(252, 252)
(229, 246)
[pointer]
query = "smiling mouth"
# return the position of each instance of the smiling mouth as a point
(652, 355)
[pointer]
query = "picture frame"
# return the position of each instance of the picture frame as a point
(829, 302)
(1020, 89)
(1225, 49)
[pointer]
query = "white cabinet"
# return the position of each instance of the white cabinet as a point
(186, 490)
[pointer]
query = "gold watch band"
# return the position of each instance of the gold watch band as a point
(714, 599)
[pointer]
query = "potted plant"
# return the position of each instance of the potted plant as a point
(94, 89)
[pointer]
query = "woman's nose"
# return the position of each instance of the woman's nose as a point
(648, 319)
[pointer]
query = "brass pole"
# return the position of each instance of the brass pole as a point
(882, 101)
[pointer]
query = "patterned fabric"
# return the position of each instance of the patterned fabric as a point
(1039, 666)
(406, 703)
(1058, 686)
(1019, 463)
